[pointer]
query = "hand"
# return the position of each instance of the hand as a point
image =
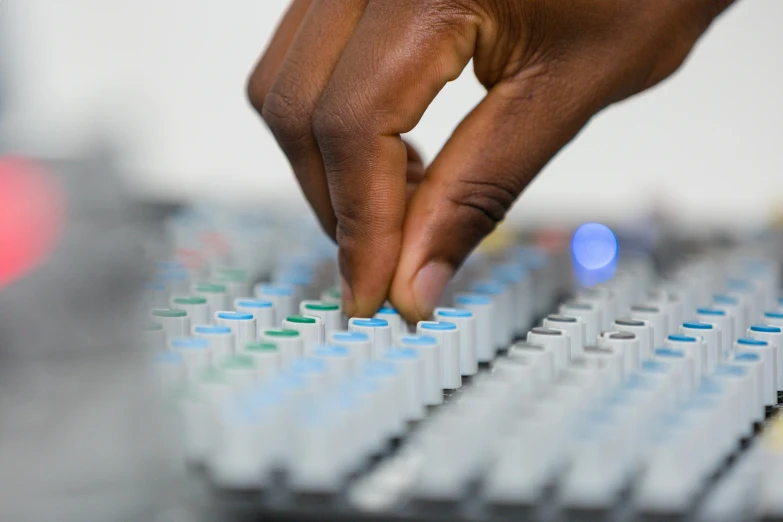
(341, 80)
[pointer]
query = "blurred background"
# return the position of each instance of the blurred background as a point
(167, 78)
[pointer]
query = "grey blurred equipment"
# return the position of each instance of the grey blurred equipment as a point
(80, 431)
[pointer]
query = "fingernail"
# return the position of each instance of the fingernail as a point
(347, 297)
(428, 286)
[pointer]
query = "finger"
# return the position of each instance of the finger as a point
(491, 157)
(266, 69)
(385, 79)
(414, 170)
(302, 78)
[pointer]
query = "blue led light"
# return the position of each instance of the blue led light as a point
(594, 251)
(594, 246)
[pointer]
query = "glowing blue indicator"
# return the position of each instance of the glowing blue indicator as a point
(594, 251)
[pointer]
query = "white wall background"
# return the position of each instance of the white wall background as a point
(170, 74)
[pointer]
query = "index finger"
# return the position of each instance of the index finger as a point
(387, 76)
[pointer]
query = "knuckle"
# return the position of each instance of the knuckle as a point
(331, 124)
(483, 202)
(288, 119)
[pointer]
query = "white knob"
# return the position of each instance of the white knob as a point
(643, 331)
(243, 326)
(682, 363)
(755, 367)
(657, 318)
(773, 318)
(766, 354)
(175, 322)
(330, 313)
(695, 348)
(466, 324)
(448, 337)
(310, 328)
(517, 276)
(267, 358)
(171, 370)
(220, 338)
(741, 378)
(289, 342)
(670, 303)
(196, 306)
(428, 349)
(156, 295)
(725, 325)
(194, 352)
(574, 327)
(589, 313)
(387, 375)
(378, 330)
(502, 318)
(154, 337)
(483, 309)
(338, 361)
(774, 335)
(411, 368)
(262, 309)
(625, 342)
(733, 307)
(391, 316)
(604, 300)
(613, 358)
(712, 338)
(358, 344)
(541, 359)
(215, 294)
(240, 370)
(554, 340)
(281, 295)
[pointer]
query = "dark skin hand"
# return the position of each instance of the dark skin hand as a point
(341, 80)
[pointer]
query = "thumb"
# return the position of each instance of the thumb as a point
(491, 157)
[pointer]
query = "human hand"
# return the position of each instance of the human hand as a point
(341, 80)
